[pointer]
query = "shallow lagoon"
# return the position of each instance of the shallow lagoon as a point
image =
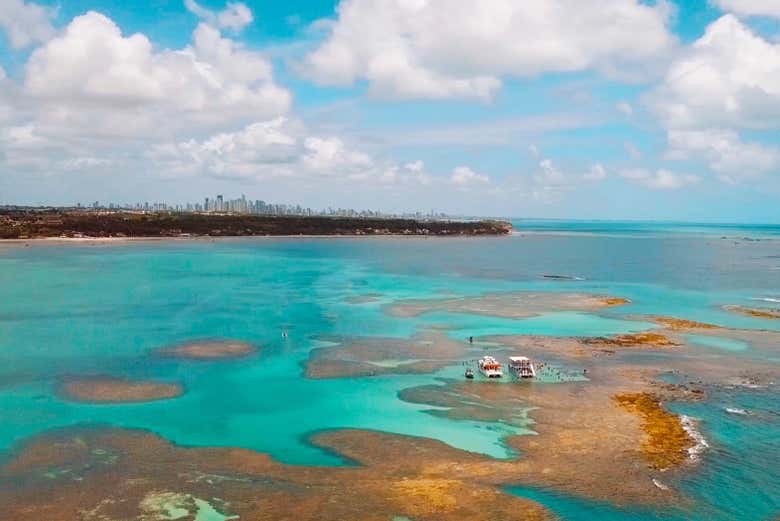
(98, 309)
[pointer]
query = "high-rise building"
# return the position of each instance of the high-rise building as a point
(220, 203)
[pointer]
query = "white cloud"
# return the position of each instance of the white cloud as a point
(415, 166)
(415, 172)
(549, 182)
(750, 7)
(403, 50)
(465, 176)
(92, 79)
(279, 148)
(235, 16)
(661, 179)
(597, 172)
(22, 136)
(625, 108)
(79, 164)
(548, 175)
(251, 152)
(93, 99)
(330, 156)
(730, 77)
(260, 149)
(412, 173)
(728, 81)
(632, 150)
(25, 22)
(724, 151)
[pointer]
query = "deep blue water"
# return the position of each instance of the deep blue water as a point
(103, 309)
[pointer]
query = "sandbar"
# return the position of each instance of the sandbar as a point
(518, 304)
(117, 390)
(209, 350)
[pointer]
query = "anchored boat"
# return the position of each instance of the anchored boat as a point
(521, 367)
(490, 367)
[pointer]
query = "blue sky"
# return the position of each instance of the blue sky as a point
(621, 110)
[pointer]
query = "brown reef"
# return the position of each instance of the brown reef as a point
(209, 350)
(649, 339)
(117, 390)
(519, 304)
(578, 425)
(666, 442)
(608, 438)
(115, 474)
(550, 347)
(773, 314)
(615, 301)
(681, 324)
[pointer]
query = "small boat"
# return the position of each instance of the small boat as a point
(521, 367)
(469, 373)
(490, 367)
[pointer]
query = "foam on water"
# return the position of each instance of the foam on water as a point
(699, 442)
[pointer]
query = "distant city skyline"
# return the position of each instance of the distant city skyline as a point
(628, 109)
(241, 205)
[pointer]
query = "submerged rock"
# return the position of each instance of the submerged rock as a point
(669, 438)
(209, 350)
(773, 314)
(117, 390)
(646, 338)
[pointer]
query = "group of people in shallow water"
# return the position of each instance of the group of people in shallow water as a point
(559, 374)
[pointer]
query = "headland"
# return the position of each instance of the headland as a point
(74, 223)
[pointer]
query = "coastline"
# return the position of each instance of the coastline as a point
(63, 223)
(115, 241)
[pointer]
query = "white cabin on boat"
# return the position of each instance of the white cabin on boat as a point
(521, 367)
(490, 367)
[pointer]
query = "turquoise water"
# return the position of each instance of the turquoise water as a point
(104, 309)
(726, 344)
(648, 228)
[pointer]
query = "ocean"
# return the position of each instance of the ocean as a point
(85, 309)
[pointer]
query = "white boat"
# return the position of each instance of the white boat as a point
(521, 367)
(490, 367)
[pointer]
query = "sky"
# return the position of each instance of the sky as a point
(572, 109)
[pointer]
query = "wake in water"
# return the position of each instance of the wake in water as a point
(563, 277)
(768, 299)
